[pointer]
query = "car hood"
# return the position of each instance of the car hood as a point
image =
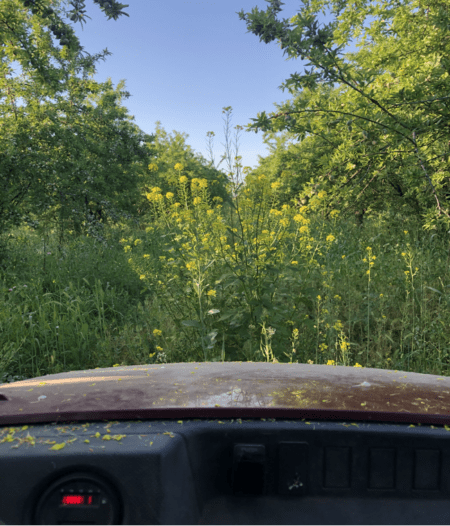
(228, 390)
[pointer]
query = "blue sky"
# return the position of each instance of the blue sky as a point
(183, 61)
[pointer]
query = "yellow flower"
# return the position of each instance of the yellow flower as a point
(330, 238)
(156, 189)
(169, 195)
(343, 257)
(334, 213)
(146, 256)
(137, 242)
(210, 212)
(142, 276)
(294, 262)
(190, 265)
(322, 194)
(284, 222)
(330, 362)
(158, 348)
(319, 297)
(197, 200)
(153, 167)
(154, 196)
(179, 166)
(405, 231)
(403, 254)
(369, 249)
(217, 199)
(304, 229)
(157, 332)
(203, 183)
(211, 293)
(344, 346)
(275, 185)
(357, 365)
(183, 179)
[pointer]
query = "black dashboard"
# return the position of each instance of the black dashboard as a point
(229, 471)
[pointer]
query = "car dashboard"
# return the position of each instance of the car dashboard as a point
(224, 471)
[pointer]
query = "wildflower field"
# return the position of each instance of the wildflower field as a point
(212, 281)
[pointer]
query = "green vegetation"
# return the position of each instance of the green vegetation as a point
(281, 283)
(334, 250)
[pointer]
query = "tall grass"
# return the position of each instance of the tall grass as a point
(253, 281)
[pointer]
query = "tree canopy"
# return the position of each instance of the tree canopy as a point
(379, 139)
(371, 126)
(71, 154)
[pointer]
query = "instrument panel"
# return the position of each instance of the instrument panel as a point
(231, 471)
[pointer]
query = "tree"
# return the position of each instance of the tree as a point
(97, 153)
(69, 151)
(386, 124)
(46, 14)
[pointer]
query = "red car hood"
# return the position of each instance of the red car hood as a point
(228, 390)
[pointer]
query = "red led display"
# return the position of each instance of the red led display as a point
(77, 500)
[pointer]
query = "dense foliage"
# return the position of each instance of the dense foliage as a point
(378, 117)
(189, 263)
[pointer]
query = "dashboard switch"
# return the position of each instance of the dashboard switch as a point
(249, 469)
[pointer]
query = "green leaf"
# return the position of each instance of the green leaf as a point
(434, 290)
(191, 323)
